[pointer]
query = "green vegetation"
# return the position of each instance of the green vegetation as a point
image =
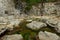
(34, 2)
(31, 2)
(50, 0)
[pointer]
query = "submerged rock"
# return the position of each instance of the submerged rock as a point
(47, 36)
(12, 37)
(34, 25)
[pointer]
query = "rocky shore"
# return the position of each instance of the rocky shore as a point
(15, 24)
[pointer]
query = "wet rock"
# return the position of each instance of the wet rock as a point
(12, 37)
(34, 25)
(47, 36)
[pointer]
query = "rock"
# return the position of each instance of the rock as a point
(58, 8)
(3, 20)
(8, 8)
(3, 28)
(10, 22)
(45, 18)
(12, 37)
(52, 22)
(34, 25)
(50, 8)
(35, 10)
(13, 23)
(29, 20)
(57, 27)
(47, 36)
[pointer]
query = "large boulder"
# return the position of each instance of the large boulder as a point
(47, 36)
(34, 25)
(12, 37)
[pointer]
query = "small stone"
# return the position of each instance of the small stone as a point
(3, 28)
(34, 25)
(12, 37)
(52, 22)
(47, 36)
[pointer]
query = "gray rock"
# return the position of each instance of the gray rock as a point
(3, 26)
(34, 25)
(35, 10)
(45, 18)
(50, 8)
(47, 36)
(57, 27)
(8, 8)
(13, 23)
(10, 22)
(54, 23)
(12, 37)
